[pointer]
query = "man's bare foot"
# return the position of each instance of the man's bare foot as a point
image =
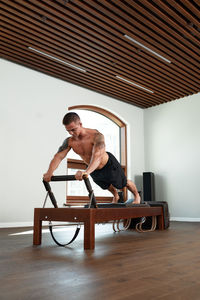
(115, 199)
(137, 199)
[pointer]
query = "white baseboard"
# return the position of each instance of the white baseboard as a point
(16, 224)
(20, 224)
(184, 219)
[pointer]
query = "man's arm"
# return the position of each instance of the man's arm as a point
(58, 157)
(97, 154)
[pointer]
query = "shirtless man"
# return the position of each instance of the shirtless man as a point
(102, 166)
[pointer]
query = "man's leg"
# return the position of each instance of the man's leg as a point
(132, 188)
(114, 192)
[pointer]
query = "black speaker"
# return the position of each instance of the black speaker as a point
(148, 186)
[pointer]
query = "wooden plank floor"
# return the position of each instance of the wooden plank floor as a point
(128, 265)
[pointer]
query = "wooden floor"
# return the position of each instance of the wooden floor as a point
(127, 265)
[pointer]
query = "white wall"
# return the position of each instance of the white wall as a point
(172, 149)
(32, 106)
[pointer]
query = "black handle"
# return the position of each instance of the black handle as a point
(63, 178)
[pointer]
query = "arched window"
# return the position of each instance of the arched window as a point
(114, 131)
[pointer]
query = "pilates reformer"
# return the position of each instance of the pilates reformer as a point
(91, 214)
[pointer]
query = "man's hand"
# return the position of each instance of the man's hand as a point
(79, 175)
(47, 177)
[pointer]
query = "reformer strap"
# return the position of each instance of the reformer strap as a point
(50, 224)
(55, 240)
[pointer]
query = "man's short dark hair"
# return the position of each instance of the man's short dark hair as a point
(70, 117)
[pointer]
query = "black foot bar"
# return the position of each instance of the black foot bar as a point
(92, 203)
(63, 178)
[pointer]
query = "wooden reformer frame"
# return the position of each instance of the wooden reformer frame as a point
(88, 216)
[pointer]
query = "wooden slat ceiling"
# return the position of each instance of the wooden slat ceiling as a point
(91, 34)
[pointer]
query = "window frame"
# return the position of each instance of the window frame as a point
(79, 164)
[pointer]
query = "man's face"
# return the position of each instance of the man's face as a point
(74, 128)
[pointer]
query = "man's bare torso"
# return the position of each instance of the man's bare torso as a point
(83, 146)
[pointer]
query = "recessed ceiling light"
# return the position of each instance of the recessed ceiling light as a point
(146, 48)
(135, 84)
(57, 59)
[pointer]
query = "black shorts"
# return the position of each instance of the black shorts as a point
(111, 173)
